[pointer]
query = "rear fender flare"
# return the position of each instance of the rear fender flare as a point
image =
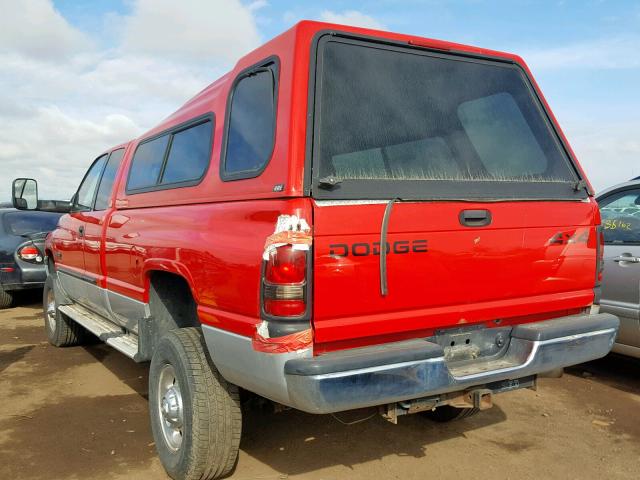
(169, 266)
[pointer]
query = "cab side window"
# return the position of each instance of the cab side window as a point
(189, 154)
(177, 158)
(87, 191)
(108, 177)
(147, 163)
(251, 123)
(621, 217)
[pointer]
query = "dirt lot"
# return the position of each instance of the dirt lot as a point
(81, 413)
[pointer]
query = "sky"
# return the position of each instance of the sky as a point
(77, 77)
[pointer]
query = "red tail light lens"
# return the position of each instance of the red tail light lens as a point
(285, 282)
(30, 254)
(286, 265)
(285, 308)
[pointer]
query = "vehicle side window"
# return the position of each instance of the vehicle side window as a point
(146, 165)
(178, 158)
(621, 217)
(250, 124)
(87, 191)
(189, 154)
(108, 177)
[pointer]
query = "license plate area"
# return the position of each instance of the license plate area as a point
(469, 344)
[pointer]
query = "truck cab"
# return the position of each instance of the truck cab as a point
(349, 218)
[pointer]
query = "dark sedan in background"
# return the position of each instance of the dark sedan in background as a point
(22, 236)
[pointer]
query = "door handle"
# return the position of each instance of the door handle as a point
(81, 231)
(626, 258)
(475, 218)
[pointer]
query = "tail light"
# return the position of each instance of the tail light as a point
(599, 254)
(29, 253)
(284, 285)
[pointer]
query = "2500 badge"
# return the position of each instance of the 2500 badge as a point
(363, 249)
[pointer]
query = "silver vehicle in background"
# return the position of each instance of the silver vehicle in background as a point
(620, 210)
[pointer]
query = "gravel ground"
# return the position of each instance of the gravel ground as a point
(81, 413)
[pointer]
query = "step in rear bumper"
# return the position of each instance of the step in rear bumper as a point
(322, 385)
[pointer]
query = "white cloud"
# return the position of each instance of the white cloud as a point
(63, 115)
(607, 53)
(56, 148)
(58, 116)
(609, 152)
(257, 5)
(352, 18)
(191, 28)
(35, 29)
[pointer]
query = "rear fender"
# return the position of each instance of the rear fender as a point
(168, 266)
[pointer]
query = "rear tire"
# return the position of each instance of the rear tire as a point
(6, 298)
(447, 413)
(195, 414)
(61, 330)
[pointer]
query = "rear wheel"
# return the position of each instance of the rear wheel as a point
(447, 413)
(195, 414)
(6, 298)
(61, 330)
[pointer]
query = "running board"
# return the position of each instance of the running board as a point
(107, 331)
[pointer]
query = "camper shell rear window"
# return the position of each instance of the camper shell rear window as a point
(394, 121)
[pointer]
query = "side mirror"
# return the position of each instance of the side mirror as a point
(72, 203)
(25, 194)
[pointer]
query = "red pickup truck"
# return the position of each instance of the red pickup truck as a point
(349, 218)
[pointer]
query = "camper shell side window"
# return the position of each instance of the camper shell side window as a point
(250, 123)
(175, 158)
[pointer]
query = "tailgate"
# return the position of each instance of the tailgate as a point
(533, 257)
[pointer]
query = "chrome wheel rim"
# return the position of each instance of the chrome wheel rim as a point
(170, 408)
(51, 311)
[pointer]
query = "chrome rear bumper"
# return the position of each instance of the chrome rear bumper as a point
(534, 348)
(400, 371)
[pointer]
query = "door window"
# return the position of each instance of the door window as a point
(108, 177)
(87, 191)
(621, 217)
